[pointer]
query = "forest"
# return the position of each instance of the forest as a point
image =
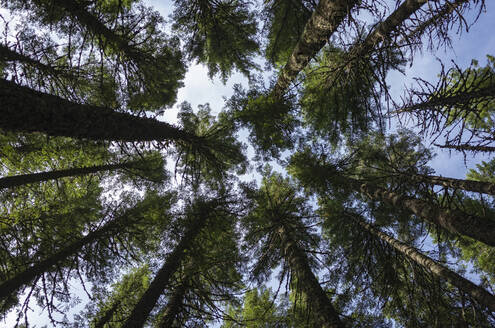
(308, 199)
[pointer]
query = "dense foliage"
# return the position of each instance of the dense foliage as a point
(111, 217)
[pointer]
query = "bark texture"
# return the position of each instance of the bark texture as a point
(327, 16)
(383, 30)
(25, 277)
(321, 307)
(476, 292)
(147, 302)
(483, 149)
(467, 185)
(174, 306)
(27, 110)
(18, 180)
(482, 229)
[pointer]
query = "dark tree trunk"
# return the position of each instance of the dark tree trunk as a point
(383, 30)
(476, 292)
(10, 55)
(467, 185)
(327, 16)
(482, 229)
(450, 101)
(25, 277)
(27, 110)
(107, 316)
(174, 306)
(148, 301)
(18, 180)
(325, 314)
(97, 28)
(483, 149)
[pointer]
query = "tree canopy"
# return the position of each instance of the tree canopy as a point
(311, 199)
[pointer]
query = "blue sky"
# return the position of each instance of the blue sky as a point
(480, 40)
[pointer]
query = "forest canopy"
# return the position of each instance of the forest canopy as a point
(310, 199)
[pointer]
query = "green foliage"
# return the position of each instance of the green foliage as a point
(271, 121)
(220, 34)
(284, 23)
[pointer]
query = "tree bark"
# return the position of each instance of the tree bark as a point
(482, 229)
(107, 316)
(146, 303)
(174, 306)
(97, 28)
(327, 16)
(326, 316)
(485, 149)
(382, 30)
(467, 185)
(476, 292)
(27, 110)
(18, 180)
(25, 277)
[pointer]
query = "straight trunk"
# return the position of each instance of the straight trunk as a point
(27, 110)
(383, 30)
(174, 306)
(97, 28)
(325, 20)
(107, 316)
(450, 100)
(25, 277)
(467, 185)
(482, 229)
(18, 180)
(325, 314)
(150, 297)
(465, 147)
(10, 55)
(476, 292)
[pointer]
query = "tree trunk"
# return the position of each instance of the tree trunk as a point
(467, 185)
(25, 277)
(107, 316)
(383, 30)
(174, 306)
(327, 16)
(466, 147)
(325, 314)
(27, 110)
(143, 308)
(449, 100)
(482, 229)
(476, 292)
(10, 55)
(18, 180)
(97, 28)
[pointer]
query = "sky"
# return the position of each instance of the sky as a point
(479, 41)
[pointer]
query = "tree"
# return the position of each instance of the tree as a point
(277, 214)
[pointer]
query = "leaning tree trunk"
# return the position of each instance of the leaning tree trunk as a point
(476, 292)
(325, 314)
(467, 185)
(100, 323)
(150, 297)
(99, 29)
(482, 229)
(25, 277)
(18, 180)
(174, 306)
(10, 55)
(327, 16)
(27, 110)
(466, 147)
(383, 30)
